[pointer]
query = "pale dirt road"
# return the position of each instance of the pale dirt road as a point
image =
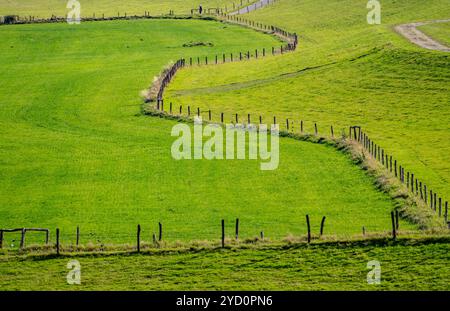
(410, 32)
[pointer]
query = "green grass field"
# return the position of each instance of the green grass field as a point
(76, 151)
(45, 8)
(438, 31)
(345, 72)
(404, 266)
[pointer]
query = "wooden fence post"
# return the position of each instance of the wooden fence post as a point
(223, 233)
(57, 241)
(322, 224)
(22, 238)
(160, 232)
(394, 234)
(440, 207)
(315, 129)
(332, 131)
(431, 199)
(261, 234)
(209, 115)
(1, 239)
(221, 117)
(301, 126)
(309, 228)
(138, 242)
(237, 229)
(445, 215)
(78, 235)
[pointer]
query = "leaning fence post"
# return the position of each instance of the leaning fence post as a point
(57, 241)
(394, 235)
(332, 131)
(237, 229)
(397, 224)
(138, 238)
(322, 224)
(309, 228)
(223, 233)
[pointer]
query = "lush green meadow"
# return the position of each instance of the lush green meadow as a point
(345, 72)
(76, 150)
(47, 8)
(404, 266)
(438, 31)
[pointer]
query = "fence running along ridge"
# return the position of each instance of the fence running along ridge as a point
(32, 19)
(412, 183)
(156, 90)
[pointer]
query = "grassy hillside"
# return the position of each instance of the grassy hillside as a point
(345, 72)
(438, 31)
(76, 151)
(45, 8)
(404, 266)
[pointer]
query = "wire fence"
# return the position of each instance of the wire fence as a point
(225, 231)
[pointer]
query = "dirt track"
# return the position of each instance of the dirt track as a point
(252, 7)
(410, 32)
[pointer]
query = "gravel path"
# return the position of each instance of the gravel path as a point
(410, 32)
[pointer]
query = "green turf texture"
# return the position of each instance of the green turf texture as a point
(438, 31)
(76, 150)
(404, 266)
(345, 72)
